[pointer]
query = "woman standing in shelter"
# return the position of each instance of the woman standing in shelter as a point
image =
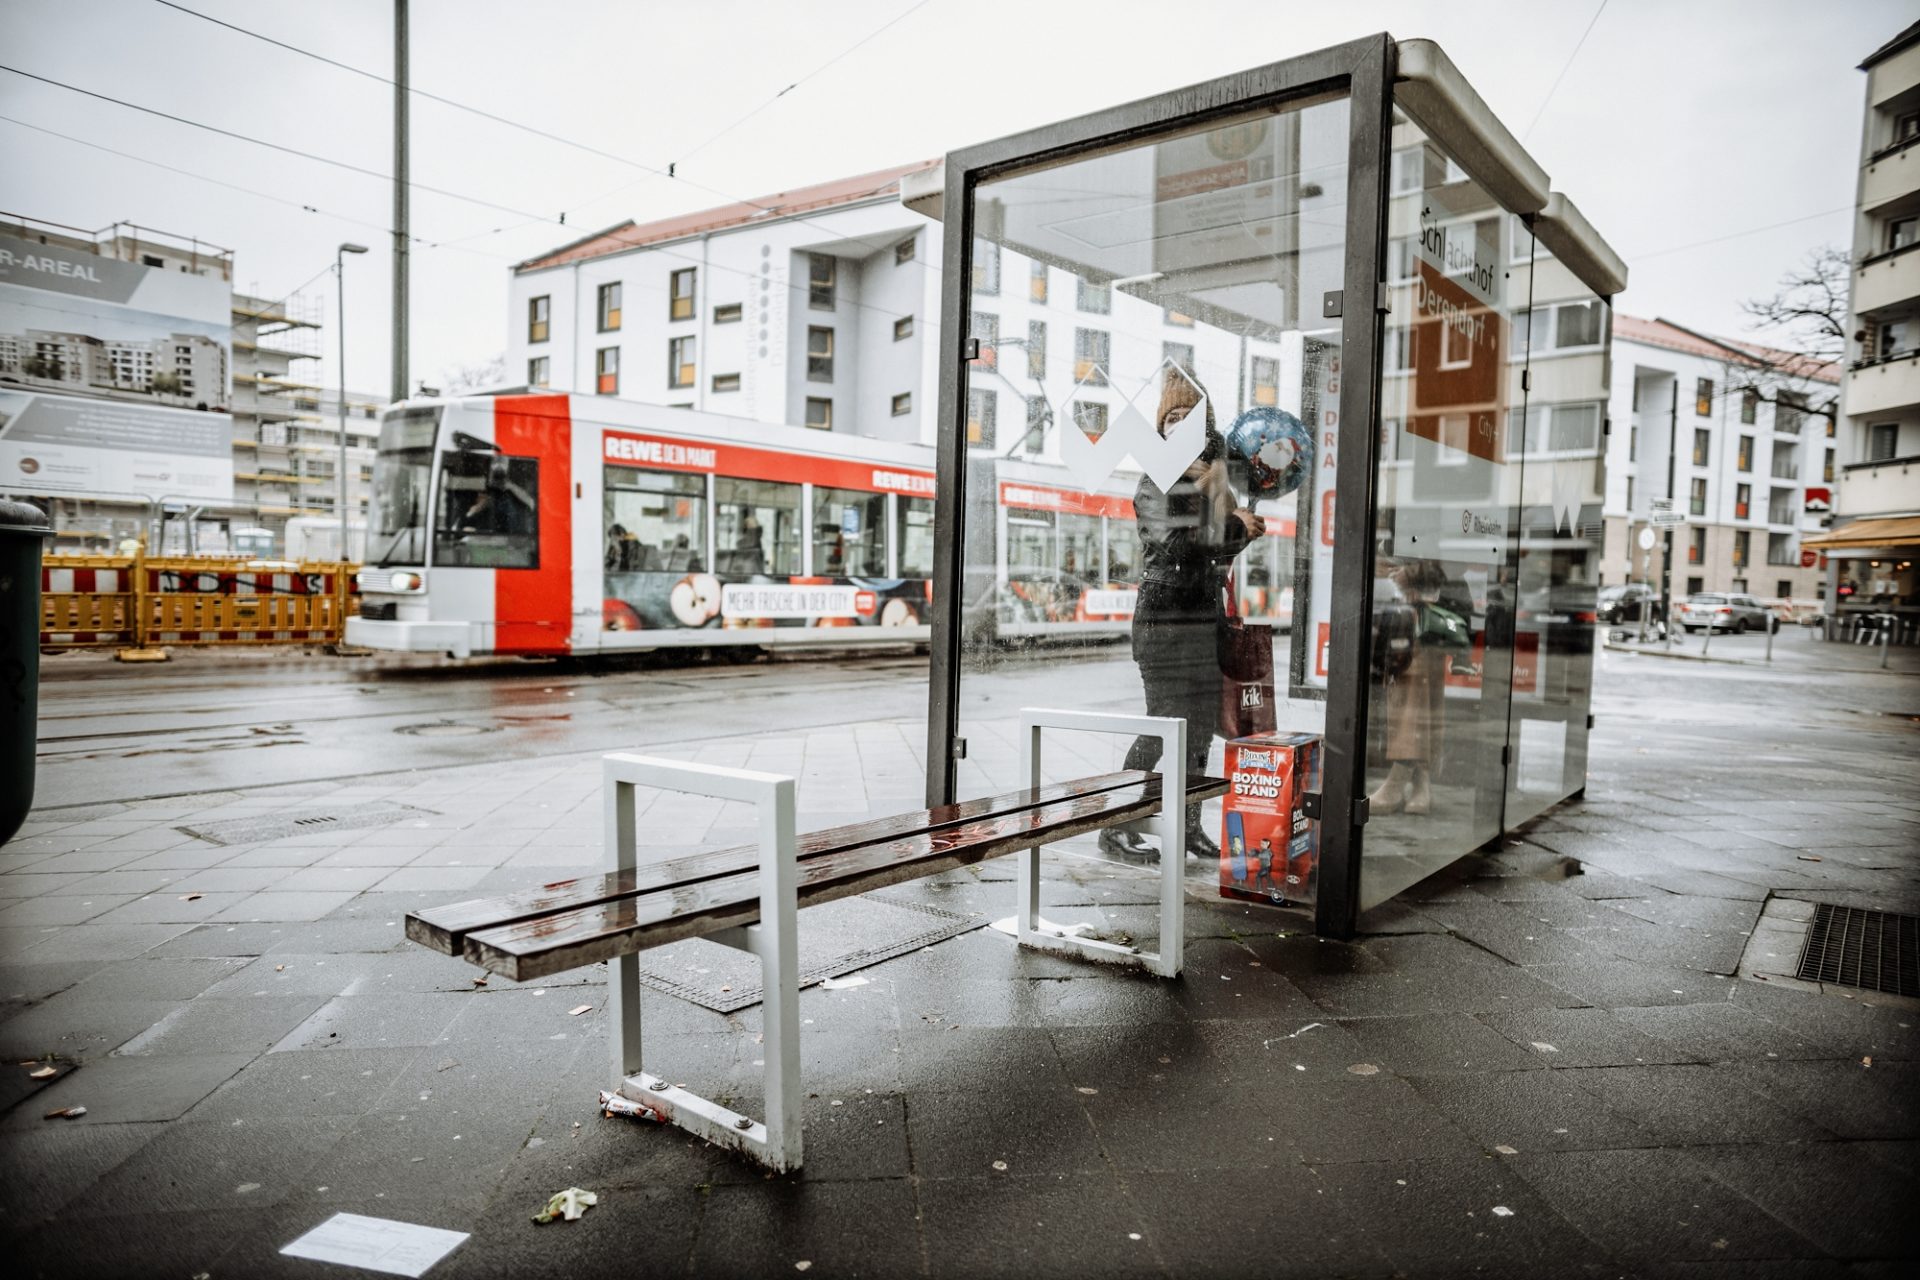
(1188, 536)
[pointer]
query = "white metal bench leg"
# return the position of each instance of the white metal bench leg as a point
(776, 1141)
(1169, 822)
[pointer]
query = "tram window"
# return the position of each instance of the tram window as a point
(489, 511)
(758, 527)
(849, 533)
(913, 535)
(1080, 547)
(655, 521)
(1123, 551)
(1029, 541)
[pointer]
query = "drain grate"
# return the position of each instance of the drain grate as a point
(299, 822)
(1872, 950)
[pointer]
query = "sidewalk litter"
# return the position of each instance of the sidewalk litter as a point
(568, 1205)
(612, 1104)
(376, 1244)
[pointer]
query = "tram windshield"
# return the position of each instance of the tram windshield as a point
(488, 511)
(400, 472)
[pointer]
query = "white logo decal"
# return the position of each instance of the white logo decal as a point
(1164, 458)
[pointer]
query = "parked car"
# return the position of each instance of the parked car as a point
(1725, 611)
(1626, 601)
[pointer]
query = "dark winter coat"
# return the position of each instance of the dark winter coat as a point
(1184, 551)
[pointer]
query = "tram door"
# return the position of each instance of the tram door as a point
(521, 521)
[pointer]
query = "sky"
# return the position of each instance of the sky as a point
(1713, 143)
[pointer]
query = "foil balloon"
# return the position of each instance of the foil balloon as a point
(1272, 449)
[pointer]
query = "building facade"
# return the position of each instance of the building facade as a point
(1750, 471)
(1875, 539)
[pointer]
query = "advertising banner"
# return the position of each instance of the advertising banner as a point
(115, 377)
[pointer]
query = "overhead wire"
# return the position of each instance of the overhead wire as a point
(1736, 235)
(1564, 68)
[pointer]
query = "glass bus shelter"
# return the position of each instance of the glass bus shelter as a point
(1351, 239)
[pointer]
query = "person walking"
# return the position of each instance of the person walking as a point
(1189, 533)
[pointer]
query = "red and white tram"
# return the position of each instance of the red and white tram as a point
(556, 524)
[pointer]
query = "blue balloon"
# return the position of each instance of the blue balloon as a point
(1273, 448)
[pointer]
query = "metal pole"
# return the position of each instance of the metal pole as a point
(1773, 625)
(1666, 548)
(400, 238)
(340, 281)
(1886, 638)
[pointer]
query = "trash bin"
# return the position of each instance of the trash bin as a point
(21, 529)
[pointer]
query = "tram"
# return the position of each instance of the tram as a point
(560, 524)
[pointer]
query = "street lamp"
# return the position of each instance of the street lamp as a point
(340, 280)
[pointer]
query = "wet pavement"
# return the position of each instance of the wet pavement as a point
(1578, 1055)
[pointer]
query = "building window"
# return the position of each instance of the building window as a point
(1038, 416)
(1789, 412)
(903, 252)
(981, 409)
(728, 313)
(823, 272)
(903, 404)
(1743, 460)
(1266, 381)
(819, 354)
(903, 328)
(1091, 417)
(680, 362)
(1900, 232)
(986, 267)
(1179, 354)
(606, 371)
(1696, 548)
(1741, 541)
(1697, 499)
(1742, 500)
(1037, 350)
(1783, 586)
(1579, 324)
(1883, 441)
(537, 313)
(1633, 444)
(1096, 298)
(1749, 406)
(680, 294)
(1037, 281)
(1090, 354)
(1702, 446)
(538, 371)
(819, 413)
(1695, 586)
(984, 328)
(1703, 397)
(726, 382)
(609, 307)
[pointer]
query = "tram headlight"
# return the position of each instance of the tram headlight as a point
(404, 581)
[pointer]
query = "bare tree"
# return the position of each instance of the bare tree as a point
(474, 375)
(1805, 324)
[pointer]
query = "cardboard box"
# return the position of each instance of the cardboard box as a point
(1269, 848)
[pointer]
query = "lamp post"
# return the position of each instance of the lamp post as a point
(340, 280)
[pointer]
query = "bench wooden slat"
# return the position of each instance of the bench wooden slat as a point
(541, 947)
(445, 928)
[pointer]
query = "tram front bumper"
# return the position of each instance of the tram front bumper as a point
(455, 638)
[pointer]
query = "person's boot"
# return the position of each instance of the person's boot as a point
(1420, 795)
(1125, 845)
(1391, 795)
(1200, 844)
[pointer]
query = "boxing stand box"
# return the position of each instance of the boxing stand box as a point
(1269, 848)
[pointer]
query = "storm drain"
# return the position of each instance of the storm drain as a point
(1872, 950)
(299, 822)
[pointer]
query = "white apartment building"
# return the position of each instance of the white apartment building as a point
(1875, 539)
(1751, 472)
(815, 307)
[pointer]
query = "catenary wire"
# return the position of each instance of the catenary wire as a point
(1565, 67)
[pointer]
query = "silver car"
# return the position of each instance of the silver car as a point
(1724, 611)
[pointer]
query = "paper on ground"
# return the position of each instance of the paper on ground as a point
(1045, 926)
(377, 1244)
(841, 984)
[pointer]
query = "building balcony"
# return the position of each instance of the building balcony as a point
(1886, 279)
(1883, 386)
(1890, 175)
(1887, 487)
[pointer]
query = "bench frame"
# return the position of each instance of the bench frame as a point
(776, 1141)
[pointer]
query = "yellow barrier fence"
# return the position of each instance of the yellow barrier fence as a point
(138, 603)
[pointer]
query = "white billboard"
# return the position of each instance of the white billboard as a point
(115, 377)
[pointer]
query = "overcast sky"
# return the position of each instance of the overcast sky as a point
(1675, 123)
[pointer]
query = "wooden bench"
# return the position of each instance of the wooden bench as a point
(748, 897)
